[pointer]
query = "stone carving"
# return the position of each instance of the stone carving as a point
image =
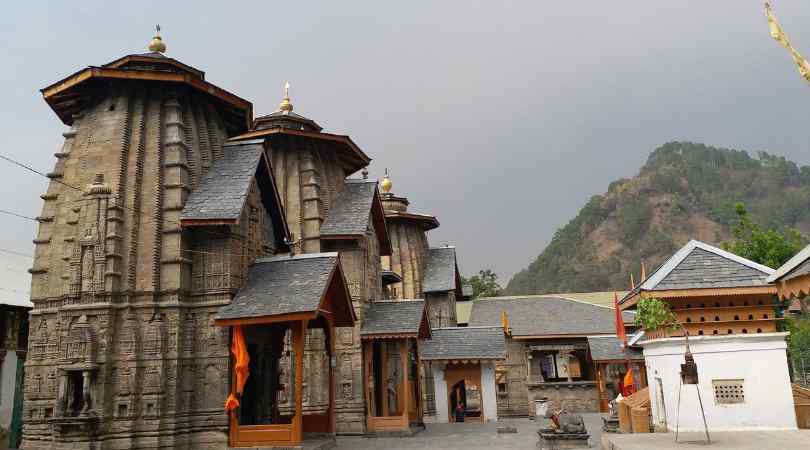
(80, 345)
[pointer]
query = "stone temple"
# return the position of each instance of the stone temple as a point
(175, 226)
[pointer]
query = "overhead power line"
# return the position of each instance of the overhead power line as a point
(11, 213)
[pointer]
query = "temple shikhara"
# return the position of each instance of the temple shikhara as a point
(204, 278)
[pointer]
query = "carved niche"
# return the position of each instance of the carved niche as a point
(79, 347)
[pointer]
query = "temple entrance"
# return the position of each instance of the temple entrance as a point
(464, 387)
(392, 387)
(391, 364)
(260, 400)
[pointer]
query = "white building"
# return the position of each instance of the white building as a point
(743, 380)
(730, 311)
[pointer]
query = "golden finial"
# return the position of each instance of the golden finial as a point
(386, 183)
(156, 44)
(285, 104)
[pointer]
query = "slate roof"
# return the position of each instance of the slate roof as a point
(797, 266)
(609, 348)
(222, 191)
(394, 317)
(464, 343)
(351, 211)
(440, 270)
(698, 266)
(282, 285)
(802, 269)
(546, 316)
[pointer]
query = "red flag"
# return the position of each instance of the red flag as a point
(619, 322)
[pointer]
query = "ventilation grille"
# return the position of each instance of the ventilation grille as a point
(728, 391)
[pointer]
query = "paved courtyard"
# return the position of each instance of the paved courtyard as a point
(744, 440)
(467, 436)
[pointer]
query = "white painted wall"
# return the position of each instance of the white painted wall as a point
(8, 374)
(759, 359)
(440, 392)
(488, 394)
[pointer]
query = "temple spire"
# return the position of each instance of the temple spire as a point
(156, 44)
(285, 104)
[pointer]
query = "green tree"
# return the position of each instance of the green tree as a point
(799, 341)
(765, 246)
(485, 284)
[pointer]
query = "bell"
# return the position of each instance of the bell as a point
(689, 372)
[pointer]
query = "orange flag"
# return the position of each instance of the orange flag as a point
(628, 386)
(620, 333)
(241, 360)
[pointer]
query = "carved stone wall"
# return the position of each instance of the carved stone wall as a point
(410, 244)
(121, 315)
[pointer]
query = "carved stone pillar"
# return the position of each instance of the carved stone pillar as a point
(61, 399)
(86, 397)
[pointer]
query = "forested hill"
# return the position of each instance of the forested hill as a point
(684, 191)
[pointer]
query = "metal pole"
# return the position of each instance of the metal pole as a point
(703, 413)
(678, 412)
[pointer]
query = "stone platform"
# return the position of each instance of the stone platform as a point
(738, 440)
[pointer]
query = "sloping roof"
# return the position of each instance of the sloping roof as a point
(698, 266)
(609, 348)
(464, 343)
(398, 317)
(463, 311)
(440, 270)
(223, 190)
(350, 213)
(794, 267)
(282, 285)
(604, 298)
(353, 207)
(546, 316)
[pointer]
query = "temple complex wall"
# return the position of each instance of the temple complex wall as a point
(122, 351)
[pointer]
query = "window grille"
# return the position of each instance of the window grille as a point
(728, 391)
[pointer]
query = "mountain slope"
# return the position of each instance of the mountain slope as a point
(684, 191)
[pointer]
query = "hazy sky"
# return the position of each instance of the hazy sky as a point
(501, 118)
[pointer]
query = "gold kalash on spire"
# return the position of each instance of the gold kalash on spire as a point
(156, 44)
(386, 183)
(285, 106)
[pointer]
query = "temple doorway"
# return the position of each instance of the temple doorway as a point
(260, 401)
(464, 387)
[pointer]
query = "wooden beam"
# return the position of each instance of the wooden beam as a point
(292, 317)
(299, 330)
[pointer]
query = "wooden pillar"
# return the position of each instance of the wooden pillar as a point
(299, 331)
(407, 388)
(420, 413)
(600, 384)
(383, 383)
(368, 379)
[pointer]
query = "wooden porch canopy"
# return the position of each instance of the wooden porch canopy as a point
(389, 337)
(301, 292)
